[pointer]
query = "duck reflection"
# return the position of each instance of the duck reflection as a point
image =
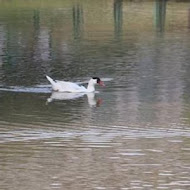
(59, 96)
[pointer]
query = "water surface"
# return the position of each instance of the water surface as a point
(132, 134)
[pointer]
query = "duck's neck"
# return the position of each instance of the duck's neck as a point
(90, 87)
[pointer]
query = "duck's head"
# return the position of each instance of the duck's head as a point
(97, 80)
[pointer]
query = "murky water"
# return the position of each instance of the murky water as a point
(132, 134)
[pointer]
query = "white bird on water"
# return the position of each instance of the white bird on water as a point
(64, 86)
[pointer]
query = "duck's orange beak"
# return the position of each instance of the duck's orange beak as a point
(101, 83)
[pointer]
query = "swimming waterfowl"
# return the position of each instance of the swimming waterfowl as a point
(65, 86)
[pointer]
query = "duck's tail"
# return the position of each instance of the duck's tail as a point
(50, 80)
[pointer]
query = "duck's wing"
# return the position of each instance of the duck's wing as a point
(70, 87)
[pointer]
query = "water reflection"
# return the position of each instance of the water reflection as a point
(36, 19)
(78, 21)
(60, 96)
(118, 17)
(2, 46)
(160, 14)
(189, 18)
(42, 49)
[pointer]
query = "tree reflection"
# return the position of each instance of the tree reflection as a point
(160, 15)
(189, 18)
(77, 21)
(118, 17)
(36, 20)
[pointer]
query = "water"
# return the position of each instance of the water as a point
(132, 134)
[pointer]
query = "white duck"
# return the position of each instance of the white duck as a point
(64, 86)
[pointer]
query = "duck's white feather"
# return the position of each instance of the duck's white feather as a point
(64, 86)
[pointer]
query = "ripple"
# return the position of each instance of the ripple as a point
(34, 89)
(131, 154)
(94, 135)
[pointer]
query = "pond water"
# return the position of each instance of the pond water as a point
(132, 134)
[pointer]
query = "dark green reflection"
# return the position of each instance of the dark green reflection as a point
(118, 17)
(36, 19)
(160, 15)
(77, 21)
